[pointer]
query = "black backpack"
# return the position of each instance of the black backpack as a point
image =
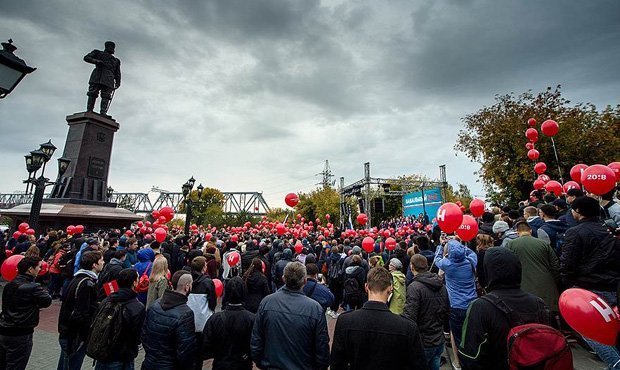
(105, 331)
(334, 273)
(353, 294)
(66, 263)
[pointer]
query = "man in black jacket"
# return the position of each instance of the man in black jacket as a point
(375, 338)
(77, 311)
(168, 332)
(227, 333)
(22, 299)
(110, 272)
(591, 260)
(428, 306)
(123, 352)
(483, 345)
(202, 300)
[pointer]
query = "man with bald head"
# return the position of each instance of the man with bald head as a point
(168, 332)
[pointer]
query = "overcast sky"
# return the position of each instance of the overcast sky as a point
(254, 95)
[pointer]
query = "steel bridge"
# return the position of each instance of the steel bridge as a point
(234, 202)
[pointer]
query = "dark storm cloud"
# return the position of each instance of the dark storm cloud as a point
(271, 88)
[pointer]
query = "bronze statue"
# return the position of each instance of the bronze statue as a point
(106, 77)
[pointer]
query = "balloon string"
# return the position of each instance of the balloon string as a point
(557, 161)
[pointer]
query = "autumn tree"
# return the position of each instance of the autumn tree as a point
(208, 208)
(494, 138)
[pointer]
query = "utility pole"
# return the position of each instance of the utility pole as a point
(342, 204)
(326, 176)
(367, 194)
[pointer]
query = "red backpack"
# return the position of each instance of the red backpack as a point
(538, 347)
(531, 345)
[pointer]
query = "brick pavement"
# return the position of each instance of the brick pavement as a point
(46, 349)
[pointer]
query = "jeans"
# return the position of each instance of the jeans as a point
(457, 318)
(609, 354)
(117, 365)
(71, 361)
(15, 351)
(433, 356)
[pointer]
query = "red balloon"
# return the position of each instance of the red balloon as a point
(615, 166)
(129, 233)
(539, 184)
(8, 252)
(208, 236)
(298, 247)
(155, 214)
(219, 287)
(23, 227)
(531, 134)
(533, 154)
(362, 219)
(160, 234)
(570, 185)
(468, 229)
(234, 238)
(589, 315)
(575, 172)
(476, 207)
(45, 268)
(162, 219)
(390, 244)
(147, 223)
(368, 244)
(550, 127)
(554, 187)
(9, 267)
(598, 179)
(387, 233)
(540, 168)
(233, 259)
(30, 231)
(79, 229)
(281, 229)
(140, 223)
(449, 217)
(327, 216)
(16, 235)
(531, 122)
(529, 146)
(544, 178)
(167, 213)
(70, 229)
(291, 199)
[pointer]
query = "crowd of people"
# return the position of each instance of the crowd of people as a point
(395, 308)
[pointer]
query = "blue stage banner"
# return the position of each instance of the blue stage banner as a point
(413, 205)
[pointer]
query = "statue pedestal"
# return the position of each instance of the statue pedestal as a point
(89, 147)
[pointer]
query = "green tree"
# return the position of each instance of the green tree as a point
(209, 210)
(462, 193)
(318, 203)
(494, 138)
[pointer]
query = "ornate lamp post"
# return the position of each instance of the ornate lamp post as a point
(34, 161)
(12, 69)
(187, 193)
(108, 193)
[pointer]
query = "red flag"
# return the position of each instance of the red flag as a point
(110, 287)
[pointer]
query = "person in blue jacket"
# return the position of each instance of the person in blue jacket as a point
(458, 264)
(146, 257)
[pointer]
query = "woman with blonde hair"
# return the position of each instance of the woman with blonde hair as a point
(483, 242)
(158, 281)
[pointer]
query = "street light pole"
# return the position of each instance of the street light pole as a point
(12, 69)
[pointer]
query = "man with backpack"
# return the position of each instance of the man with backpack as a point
(115, 331)
(77, 310)
(490, 318)
(354, 280)
(553, 230)
(110, 272)
(335, 276)
(22, 299)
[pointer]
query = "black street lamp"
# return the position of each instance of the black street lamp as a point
(12, 69)
(34, 161)
(187, 198)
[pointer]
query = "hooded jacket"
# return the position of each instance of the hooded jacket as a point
(146, 257)
(126, 349)
(168, 334)
(427, 305)
(483, 345)
(549, 232)
(227, 333)
(397, 302)
(110, 272)
(257, 288)
(358, 273)
(202, 299)
(460, 280)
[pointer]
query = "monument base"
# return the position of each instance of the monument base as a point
(59, 215)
